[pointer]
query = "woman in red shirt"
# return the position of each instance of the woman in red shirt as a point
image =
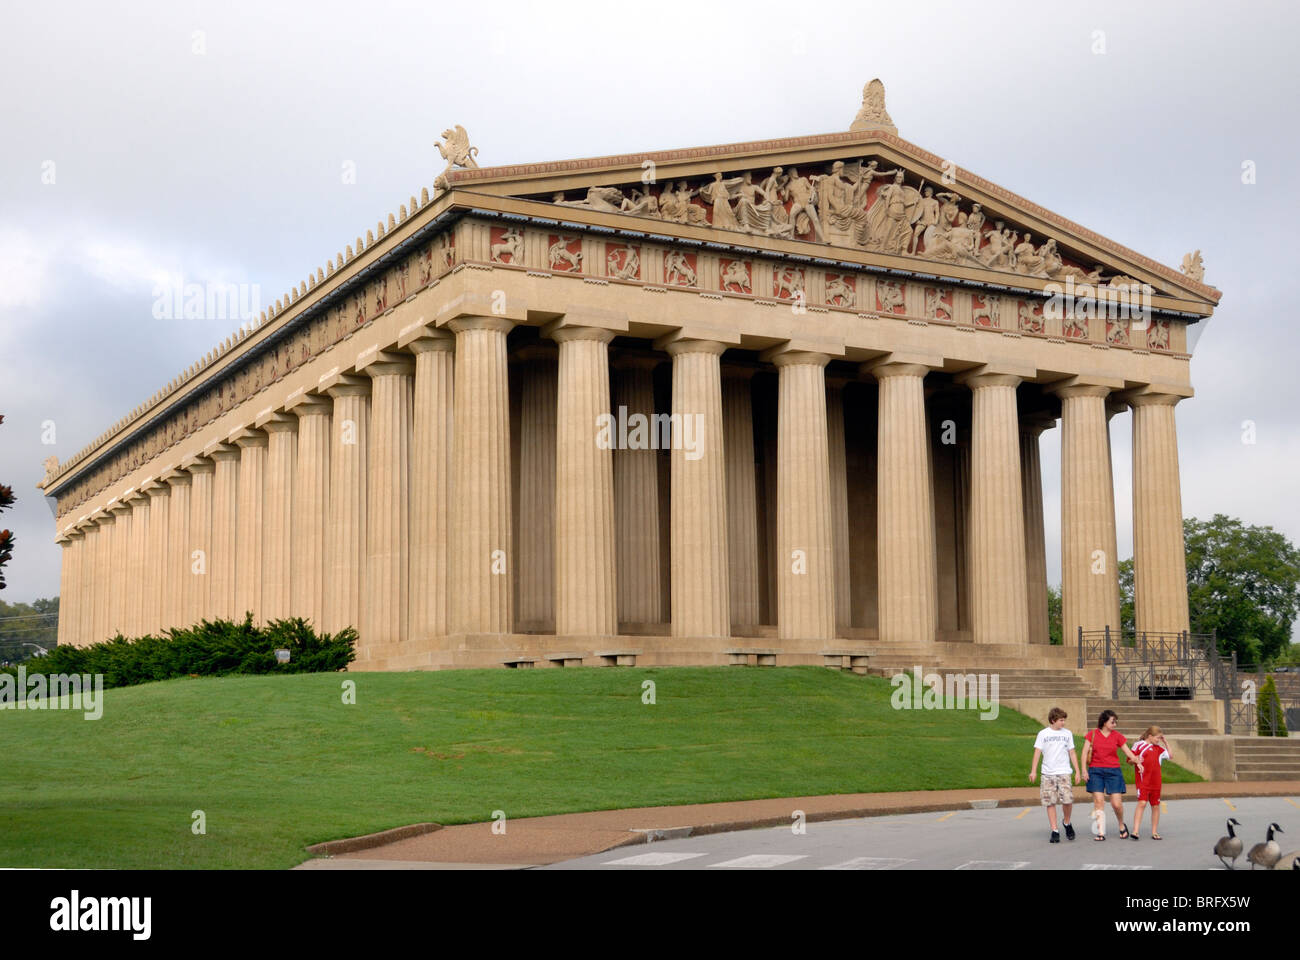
(1105, 779)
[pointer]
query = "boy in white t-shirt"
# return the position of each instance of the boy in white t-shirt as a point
(1055, 745)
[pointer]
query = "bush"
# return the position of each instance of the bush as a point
(1272, 719)
(210, 648)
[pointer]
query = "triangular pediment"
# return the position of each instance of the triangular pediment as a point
(869, 197)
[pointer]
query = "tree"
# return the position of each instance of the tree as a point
(6, 537)
(1272, 719)
(1054, 614)
(1127, 618)
(1244, 582)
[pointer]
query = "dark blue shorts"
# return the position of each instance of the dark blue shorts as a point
(1106, 780)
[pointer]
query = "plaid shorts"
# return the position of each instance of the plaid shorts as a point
(1055, 789)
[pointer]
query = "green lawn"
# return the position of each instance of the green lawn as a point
(276, 763)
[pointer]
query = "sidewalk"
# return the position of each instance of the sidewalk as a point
(540, 840)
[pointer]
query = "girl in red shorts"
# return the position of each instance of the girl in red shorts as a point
(1153, 751)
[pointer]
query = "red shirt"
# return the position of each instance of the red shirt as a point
(1149, 754)
(1105, 749)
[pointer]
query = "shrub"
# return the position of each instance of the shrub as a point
(210, 648)
(1272, 719)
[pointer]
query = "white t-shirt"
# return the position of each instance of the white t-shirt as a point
(1056, 746)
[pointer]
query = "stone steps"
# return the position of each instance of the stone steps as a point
(1173, 718)
(1267, 758)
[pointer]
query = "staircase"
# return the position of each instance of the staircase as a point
(1174, 719)
(1267, 758)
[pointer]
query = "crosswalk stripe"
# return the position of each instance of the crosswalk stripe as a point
(1115, 866)
(993, 865)
(869, 863)
(651, 859)
(760, 861)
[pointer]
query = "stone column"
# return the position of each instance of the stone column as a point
(176, 563)
(277, 537)
(805, 556)
(537, 367)
(586, 592)
(156, 552)
(86, 583)
(197, 553)
(1159, 557)
(701, 605)
(1089, 581)
(837, 445)
(346, 544)
(311, 508)
(431, 466)
(104, 525)
(1031, 482)
(999, 585)
(225, 530)
(136, 567)
(69, 572)
(908, 599)
(483, 561)
(121, 553)
(251, 527)
(742, 494)
(385, 613)
(636, 497)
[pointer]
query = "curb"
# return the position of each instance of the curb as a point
(352, 844)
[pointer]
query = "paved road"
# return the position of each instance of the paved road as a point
(998, 839)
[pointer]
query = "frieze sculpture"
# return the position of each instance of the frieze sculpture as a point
(872, 114)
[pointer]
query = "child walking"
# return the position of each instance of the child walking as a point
(1152, 750)
(1055, 745)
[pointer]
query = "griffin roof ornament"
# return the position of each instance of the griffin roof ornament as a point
(872, 114)
(1193, 266)
(455, 149)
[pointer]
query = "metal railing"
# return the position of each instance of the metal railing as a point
(1108, 646)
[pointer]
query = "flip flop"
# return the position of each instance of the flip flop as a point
(1156, 836)
(1123, 832)
(1099, 838)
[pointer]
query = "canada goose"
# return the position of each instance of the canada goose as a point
(1229, 846)
(1267, 853)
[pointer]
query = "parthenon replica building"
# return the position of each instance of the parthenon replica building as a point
(780, 395)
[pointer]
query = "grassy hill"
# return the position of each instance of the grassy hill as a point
(276, 763)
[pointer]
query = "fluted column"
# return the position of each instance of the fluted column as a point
(537, 368)
(277, 537)
(176, 564)
(586, 592)
(908, 601)
(701, 603)
(1031, 482)
(349, 468)
(805, 555)
(121, 555)
(1089, 581)
(838, 449)
(311, 508)
(251, 524)
(1159, 558)
(742, 494)
(70, 560)
(197, 553)
(385, 613)
(156, 552)
(636, 496)
(225, 530)
(86, 590)
(999, 586)
(136, 568)
(483, 565)
(431, 466)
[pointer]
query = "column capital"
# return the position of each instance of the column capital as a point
(588, 318)
(895, 368)
(303, 404)
(788, 356)
(471, 322)
(1151, 395)
(275, 421)
(337, 384)
(155, 488)
(422, 338)
(118, 506)
(176, 477)
(220, 450)
(198, 464)
(246, 437)
(133, 496)
(385, 363)
(1081, 386)
(697, 339)
(676, 348)
(72, 533)
(996, 375)
(557, 331)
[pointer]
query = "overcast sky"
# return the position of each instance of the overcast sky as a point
(205, 142)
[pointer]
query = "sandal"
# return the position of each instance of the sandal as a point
(1123, 832)
(1100, 837)
(1156, 836)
